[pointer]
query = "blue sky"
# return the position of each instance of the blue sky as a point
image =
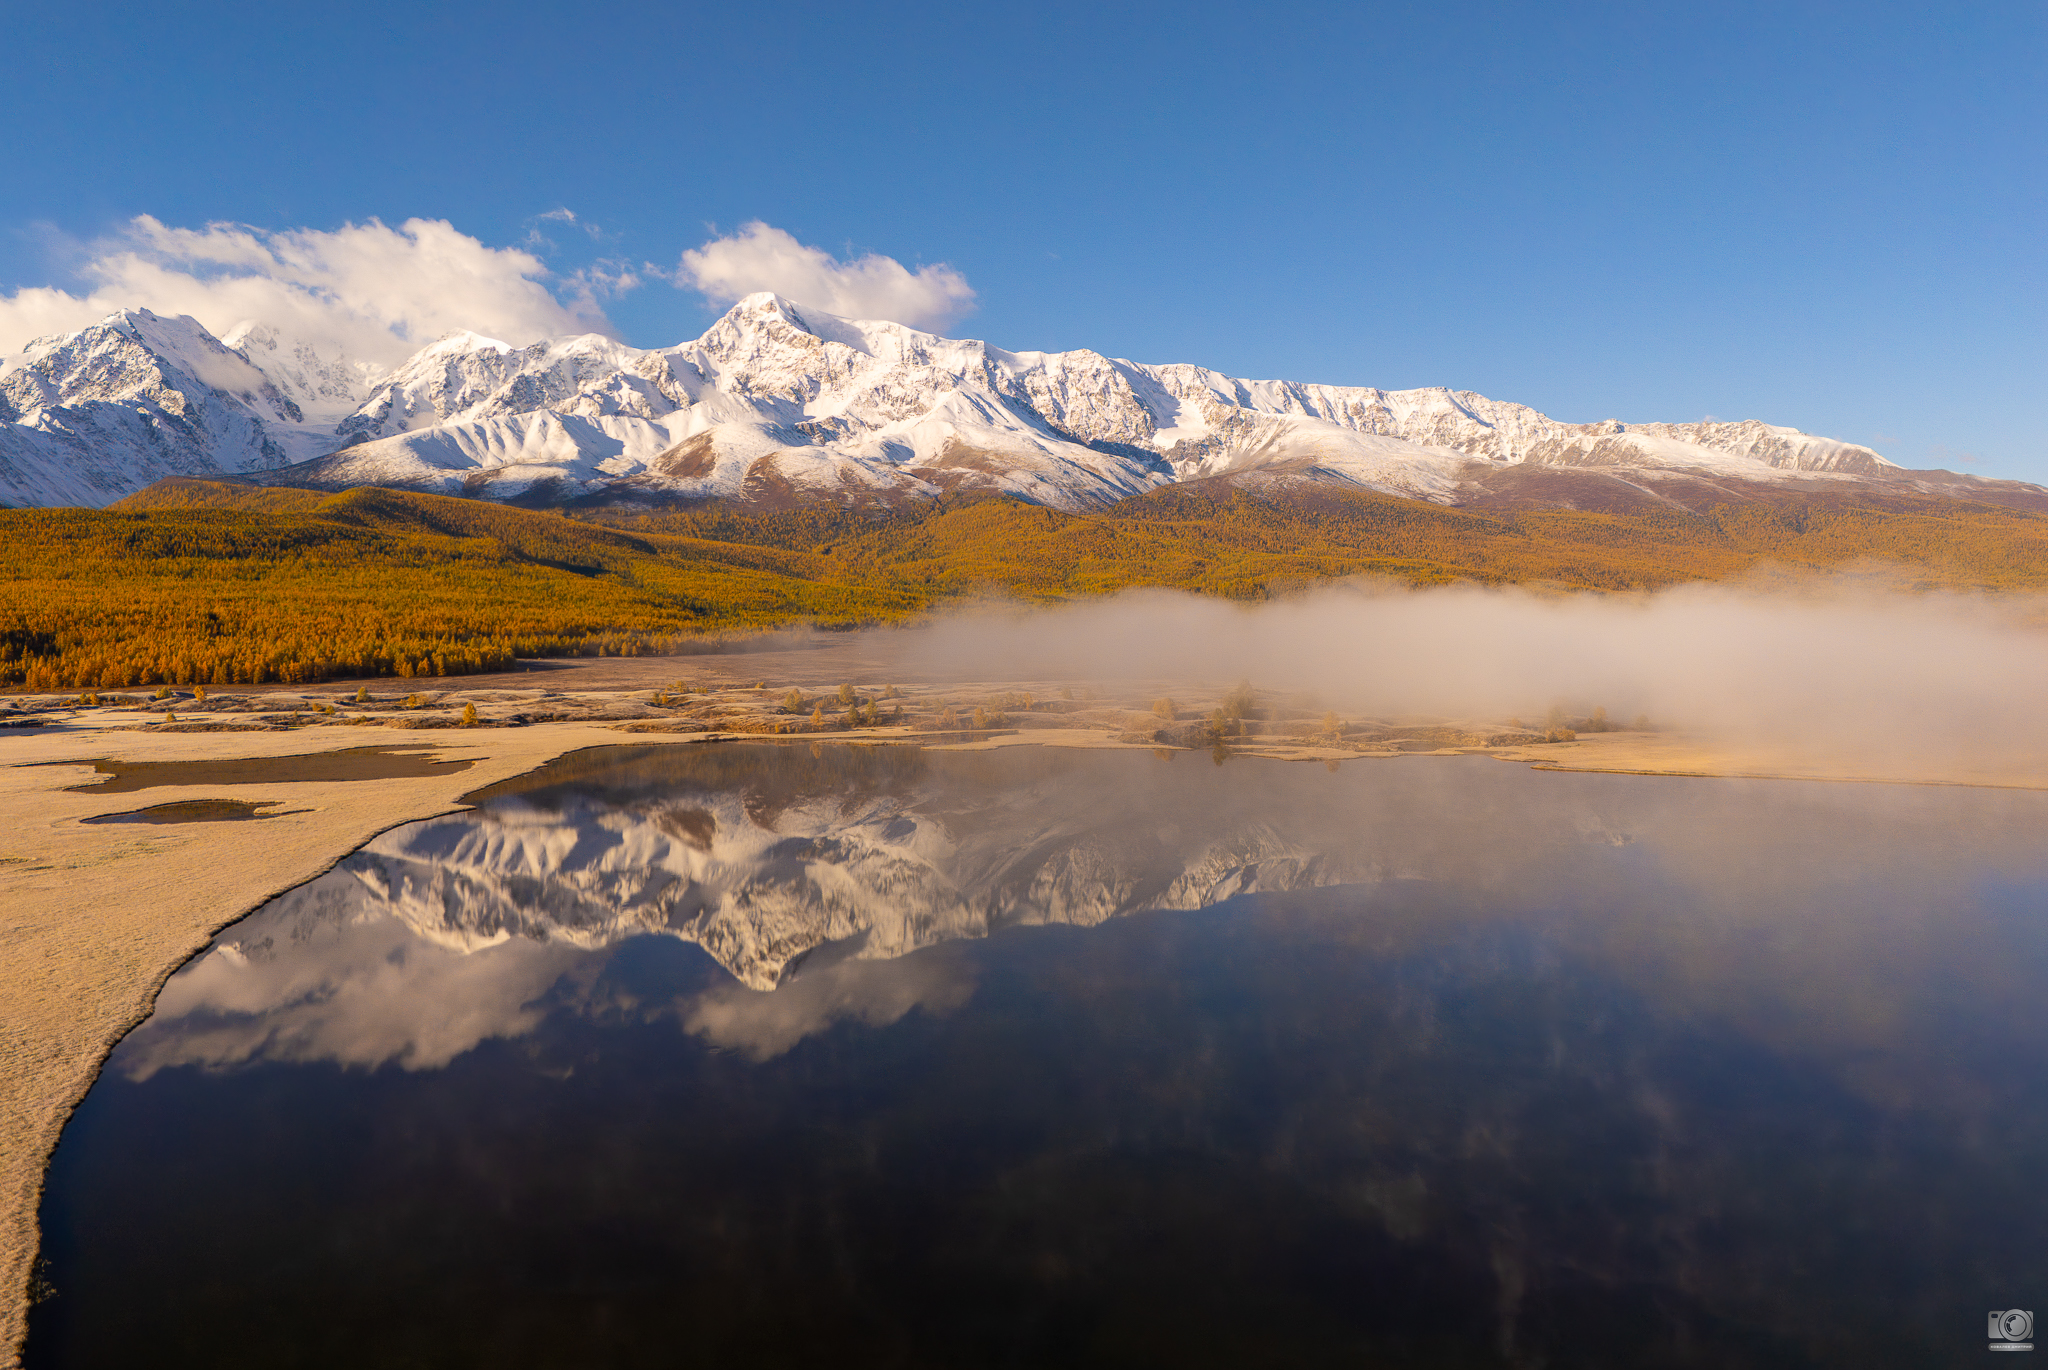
(1829, 216)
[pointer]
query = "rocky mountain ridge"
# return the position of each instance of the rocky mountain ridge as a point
(872, 876)
(778, 403)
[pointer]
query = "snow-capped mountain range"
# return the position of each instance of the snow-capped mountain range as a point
(793, 871)
(788, 870)
(773, 889)
(778, 403)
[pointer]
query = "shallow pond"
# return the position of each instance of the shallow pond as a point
(758, 1055)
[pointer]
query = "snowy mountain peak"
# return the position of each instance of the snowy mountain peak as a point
(134, 353)
(132, 399)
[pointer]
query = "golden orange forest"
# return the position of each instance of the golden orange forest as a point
(202, 582)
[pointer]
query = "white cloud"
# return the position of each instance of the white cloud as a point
(538, 240)
(357, 987)
(366, 291)
(762, 257)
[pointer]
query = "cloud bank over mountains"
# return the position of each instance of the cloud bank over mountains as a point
(368, 292)
(374, 295)
(761, 257)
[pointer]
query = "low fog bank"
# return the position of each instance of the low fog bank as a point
(1815, 666)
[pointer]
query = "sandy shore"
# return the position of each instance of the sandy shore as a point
(98, 915)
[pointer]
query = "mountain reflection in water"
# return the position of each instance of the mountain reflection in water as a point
(1420, 1062)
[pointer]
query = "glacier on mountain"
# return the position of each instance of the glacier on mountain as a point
(775, 403)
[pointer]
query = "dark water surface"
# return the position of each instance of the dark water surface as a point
(746, 1055)
(352, 763)
(194, 811)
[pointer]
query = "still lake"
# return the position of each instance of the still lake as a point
(769, 1055)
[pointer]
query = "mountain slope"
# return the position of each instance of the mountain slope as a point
(90, 416)
(779, 404)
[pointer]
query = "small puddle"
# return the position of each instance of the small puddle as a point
(196, 811)
(355, 763)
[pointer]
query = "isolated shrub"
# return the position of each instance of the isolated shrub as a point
(469, 715)
(846, 694)
(793, 702)
(1164, 708)
(818, 716)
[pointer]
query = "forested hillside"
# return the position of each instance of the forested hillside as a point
(210, 582)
